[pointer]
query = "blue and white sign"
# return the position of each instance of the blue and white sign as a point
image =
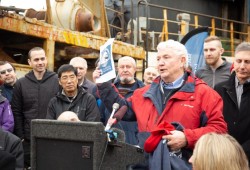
(107, 65)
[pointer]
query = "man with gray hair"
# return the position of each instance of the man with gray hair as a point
(174, 97)
(81, 65)
(235, 93)
(150, 74)
(126, 84)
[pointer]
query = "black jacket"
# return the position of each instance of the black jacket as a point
(238, 120)
(30, 100)
(10, 146)
(84, 105)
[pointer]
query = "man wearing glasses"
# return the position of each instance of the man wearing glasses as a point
(8, 76)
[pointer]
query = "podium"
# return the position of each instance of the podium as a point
(58, 145)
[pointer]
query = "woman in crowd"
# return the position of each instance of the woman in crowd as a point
(218, 152)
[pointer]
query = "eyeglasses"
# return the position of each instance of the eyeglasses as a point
(8, 70)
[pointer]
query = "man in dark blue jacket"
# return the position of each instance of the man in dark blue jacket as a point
(126, 84)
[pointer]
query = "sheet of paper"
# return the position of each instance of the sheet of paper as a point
(107, 65)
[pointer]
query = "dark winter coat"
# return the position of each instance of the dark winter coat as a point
(10, 146)
(130, 128)
(7, 91)
(238, 120)
(84, 105)
(30, 100)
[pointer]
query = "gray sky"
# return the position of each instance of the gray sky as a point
(36, 4)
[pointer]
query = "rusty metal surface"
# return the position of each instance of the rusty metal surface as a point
(33, 27)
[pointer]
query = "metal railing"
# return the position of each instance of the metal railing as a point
(230, 31)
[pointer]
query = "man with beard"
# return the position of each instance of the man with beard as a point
(235, 93)
(175, 97)
(31, 96)
(216, 69)
(126, 84)
(8, 75)
(150, 74)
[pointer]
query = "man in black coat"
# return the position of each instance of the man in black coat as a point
(235, 93)
(11, 151)
(31, 96)
(72, 98)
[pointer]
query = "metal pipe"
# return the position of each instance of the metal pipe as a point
(193, 13)
(132, 23)
(122, 21)
(138, 27)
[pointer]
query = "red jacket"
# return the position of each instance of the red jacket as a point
(196, 106)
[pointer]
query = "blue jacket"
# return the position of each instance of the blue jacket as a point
(162, 159)
(7, 91)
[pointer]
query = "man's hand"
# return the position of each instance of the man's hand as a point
(96, 74)
(176, 140)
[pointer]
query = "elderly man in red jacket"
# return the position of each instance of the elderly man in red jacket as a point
(174, 96)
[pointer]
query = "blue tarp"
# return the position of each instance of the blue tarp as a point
(194, 41)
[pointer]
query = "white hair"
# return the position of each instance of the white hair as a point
(178, 48)
(127, 58)
(79, 60)
(151, 69)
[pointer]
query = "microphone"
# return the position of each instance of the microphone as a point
(115, 108)
(121, 112)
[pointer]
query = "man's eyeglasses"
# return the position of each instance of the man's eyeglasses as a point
(8, 70)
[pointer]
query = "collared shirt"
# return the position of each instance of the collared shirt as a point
(69, 98)
(174, 85)
(168, 89)
(239, 90)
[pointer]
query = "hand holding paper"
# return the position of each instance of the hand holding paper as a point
(106, 63)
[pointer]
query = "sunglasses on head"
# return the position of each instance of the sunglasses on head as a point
(8, 70)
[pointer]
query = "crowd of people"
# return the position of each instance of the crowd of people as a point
(181, 120)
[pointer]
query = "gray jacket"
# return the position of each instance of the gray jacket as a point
(211, 77)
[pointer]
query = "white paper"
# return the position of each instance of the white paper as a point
(107, 65)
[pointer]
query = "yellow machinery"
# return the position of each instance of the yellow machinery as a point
(68, 28)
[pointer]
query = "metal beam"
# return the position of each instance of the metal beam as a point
(33, 27)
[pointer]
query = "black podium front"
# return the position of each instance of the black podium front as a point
(57, 145)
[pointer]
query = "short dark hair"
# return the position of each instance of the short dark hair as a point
(35, 49)
(6, 62)
(65, 68)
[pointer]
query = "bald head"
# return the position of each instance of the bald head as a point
(150, 74)
(68, 116)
